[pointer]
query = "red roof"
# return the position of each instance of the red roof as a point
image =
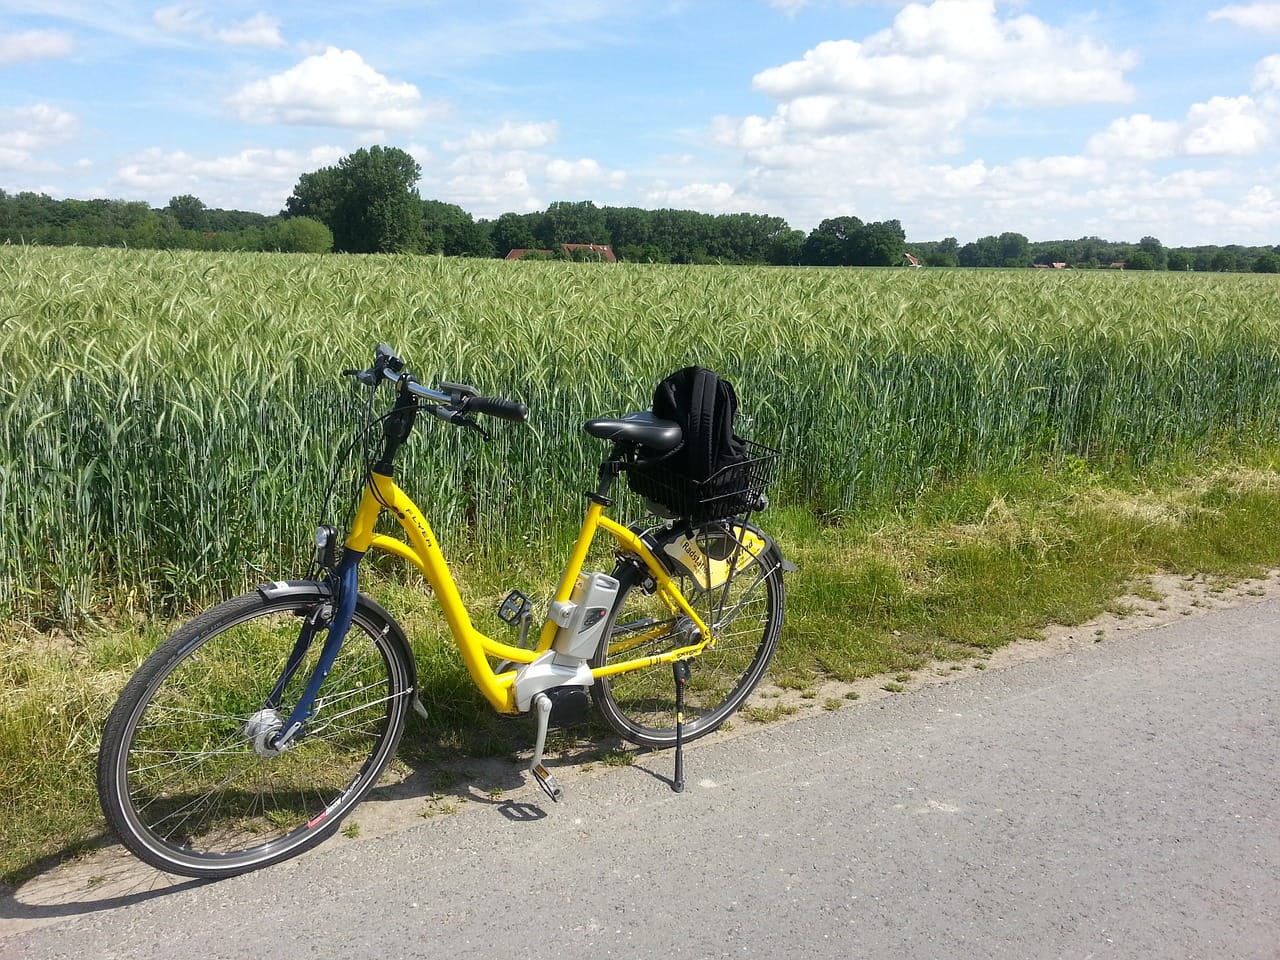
(602, 250)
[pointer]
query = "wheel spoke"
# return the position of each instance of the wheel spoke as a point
(181, 778)
(744, 616)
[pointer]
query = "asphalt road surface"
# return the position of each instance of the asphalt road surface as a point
(1118, 801)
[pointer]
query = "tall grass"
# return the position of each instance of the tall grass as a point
(167, 420)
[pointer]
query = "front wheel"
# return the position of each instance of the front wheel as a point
(731, 574)
(187, 776)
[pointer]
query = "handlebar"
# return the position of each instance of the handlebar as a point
(512, 410)
(449, 401)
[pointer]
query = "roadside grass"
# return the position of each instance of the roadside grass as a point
(967, 568)
(947, 577)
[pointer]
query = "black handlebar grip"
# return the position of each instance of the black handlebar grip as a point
(497, 407)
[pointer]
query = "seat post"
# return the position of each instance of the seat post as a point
(609, 471)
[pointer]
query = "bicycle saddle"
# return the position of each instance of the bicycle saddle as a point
(641, 429)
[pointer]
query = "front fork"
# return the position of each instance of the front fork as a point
(344, 582)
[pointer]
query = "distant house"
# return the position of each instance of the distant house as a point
(1118, 265)
(590, 251)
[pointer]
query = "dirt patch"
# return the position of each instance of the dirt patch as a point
(1153, 602)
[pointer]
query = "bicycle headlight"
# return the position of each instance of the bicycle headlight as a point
(326, 541)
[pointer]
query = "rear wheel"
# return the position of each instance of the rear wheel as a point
(733, 581)
(186, 774)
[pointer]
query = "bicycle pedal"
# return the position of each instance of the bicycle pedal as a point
(547, 781)
(515, 609)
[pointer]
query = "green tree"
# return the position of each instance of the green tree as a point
(1140, 260)
(1158, 254)
(743, 237)
(944, 253)
(448, 229)
(983, 252)
(512, 231)
(566, 222)
(188, 212)
(642, 253)
(1015, 250)
(681, 235)
(316, 195)
(1222, 261)
(1267, 263)
(828, 243)
(368, 200)
(878, 245)
(787, 248)
(297, 235)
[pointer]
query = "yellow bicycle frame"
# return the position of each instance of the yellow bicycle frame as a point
(423, 550)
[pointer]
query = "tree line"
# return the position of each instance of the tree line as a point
(368, 203)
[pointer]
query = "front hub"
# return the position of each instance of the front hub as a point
(262, 730)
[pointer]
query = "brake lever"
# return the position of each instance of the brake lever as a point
(468, 422)
(456, 418)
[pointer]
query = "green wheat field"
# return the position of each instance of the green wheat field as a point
(168, 420)
(966, 456)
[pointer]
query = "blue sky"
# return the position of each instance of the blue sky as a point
(959, 117)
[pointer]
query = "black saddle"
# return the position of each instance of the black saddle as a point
(639, 429)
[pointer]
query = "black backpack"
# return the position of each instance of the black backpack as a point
(706, 476)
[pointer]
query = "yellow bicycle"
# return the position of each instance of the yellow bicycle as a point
(250, 733)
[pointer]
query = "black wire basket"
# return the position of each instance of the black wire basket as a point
(731, 491)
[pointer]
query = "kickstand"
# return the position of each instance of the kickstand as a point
(680, 669)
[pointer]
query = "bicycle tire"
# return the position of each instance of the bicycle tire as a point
(179, 778)
(745, 616)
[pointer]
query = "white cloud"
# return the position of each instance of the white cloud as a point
(1251, 16)
(505, 169)
(1257, 213)
(1041, 172)
(509, 136)
(25, 130)
(956, 48)
(1266, 83)
(34, 45)
(159, 167)
(915, 85)
(1223, 126)
(958, 181)
(707, 197)
(180, 19)
(1138, 137)
(489, 193)
(335, 88)
(788, 6)
(271, 174)
(1062, 197)
(585, 172)
(260, 30)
